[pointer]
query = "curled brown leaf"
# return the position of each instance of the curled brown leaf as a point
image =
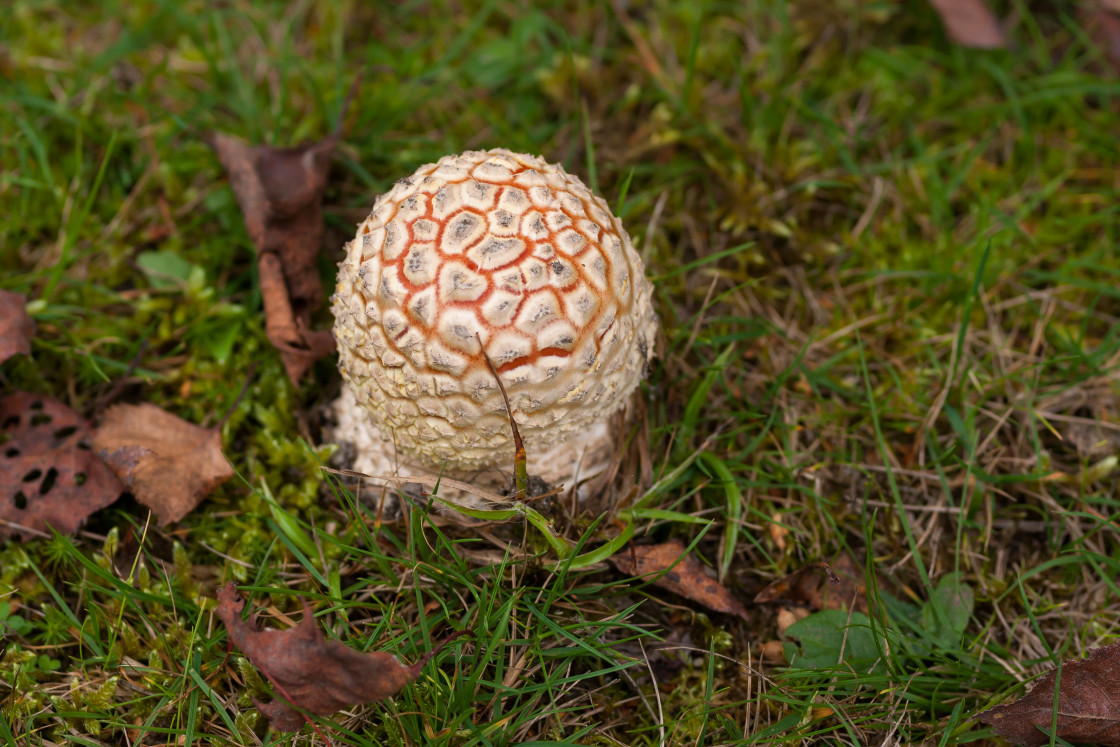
(310, 672)
(280, 192)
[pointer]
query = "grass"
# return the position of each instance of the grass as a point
(887, 270)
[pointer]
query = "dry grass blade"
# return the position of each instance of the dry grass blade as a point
(520, 459)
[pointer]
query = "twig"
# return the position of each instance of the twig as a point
(118, 385)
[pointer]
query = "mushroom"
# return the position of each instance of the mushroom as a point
(488, 254)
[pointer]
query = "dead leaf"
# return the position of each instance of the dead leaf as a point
(1102, 25)
(49, 476)
(315, 674)
(788, 616)
(280, 191)
(773, 652)
(1090, 437)
(820, 586)
(778, 532)
(970, 23)
(16, 327)
(686, 578)
(1088, 710)
(170, 465)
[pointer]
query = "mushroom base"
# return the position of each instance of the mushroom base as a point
(575, 462)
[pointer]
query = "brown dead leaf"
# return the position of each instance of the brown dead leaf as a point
(787, 616)
(170, 465)
(1090, 437)
(820, 586)
(778, 532)
(686, 578)
(16, 327)
(1102, 25)
(772, 652)
(280, 191)
(49, 476)
(315, 674)
(1088, 709)
(970, 23)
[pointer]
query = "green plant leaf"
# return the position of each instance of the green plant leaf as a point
(604, 551)
(948, 611)
(165, 269)
(831, 639)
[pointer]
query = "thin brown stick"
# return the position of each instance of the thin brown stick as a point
(118, 385)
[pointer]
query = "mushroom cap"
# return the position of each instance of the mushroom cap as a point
(502, 252)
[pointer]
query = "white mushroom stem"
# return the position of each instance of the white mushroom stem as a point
(578, 462)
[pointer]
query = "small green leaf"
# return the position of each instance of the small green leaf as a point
(165, 269)
(219, 338)
(948, 611)
(47, 664)
(831, 639)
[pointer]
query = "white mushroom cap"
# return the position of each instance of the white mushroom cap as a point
(509, 250)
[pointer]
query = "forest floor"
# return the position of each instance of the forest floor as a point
(888, 273)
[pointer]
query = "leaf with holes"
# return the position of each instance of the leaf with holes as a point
(170, 465)
(49, 476)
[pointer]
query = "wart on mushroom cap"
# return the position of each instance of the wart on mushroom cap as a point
(509, 250)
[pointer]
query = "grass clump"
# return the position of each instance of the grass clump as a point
(887, 272)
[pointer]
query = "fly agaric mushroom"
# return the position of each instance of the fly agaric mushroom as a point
(499, 252)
